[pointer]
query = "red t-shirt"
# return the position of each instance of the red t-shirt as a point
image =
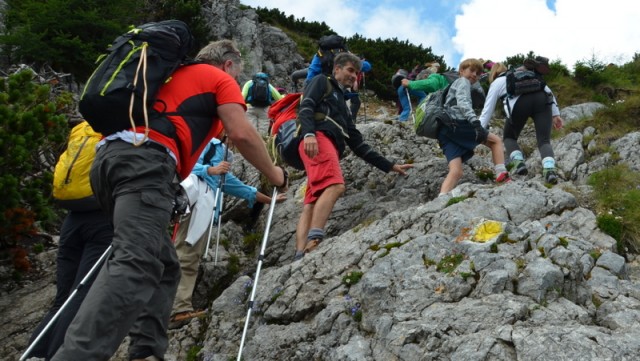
(194, 91)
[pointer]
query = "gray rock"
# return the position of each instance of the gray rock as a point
(539, 278)
(579, 111)
(612, 262)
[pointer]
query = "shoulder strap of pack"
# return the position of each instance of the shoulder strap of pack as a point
(321, 116)
(209, 154)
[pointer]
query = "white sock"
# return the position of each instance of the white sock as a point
(548, 163)
(516, 155)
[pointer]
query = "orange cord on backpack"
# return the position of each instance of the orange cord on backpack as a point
(142, 63)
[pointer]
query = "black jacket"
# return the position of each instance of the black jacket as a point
(336, 123)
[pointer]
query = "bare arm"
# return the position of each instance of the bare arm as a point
(247, 140)
(263, 198)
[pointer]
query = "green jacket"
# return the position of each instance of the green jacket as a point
(431, 84)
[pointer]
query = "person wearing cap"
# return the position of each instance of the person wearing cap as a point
(541, 106)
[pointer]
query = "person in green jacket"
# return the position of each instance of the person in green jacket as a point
(432, 83)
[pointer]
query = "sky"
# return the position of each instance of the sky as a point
(564, 30)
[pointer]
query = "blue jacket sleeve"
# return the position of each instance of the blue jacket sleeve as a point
(234, 186)
(315, 68)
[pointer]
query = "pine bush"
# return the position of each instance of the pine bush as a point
(32, 130)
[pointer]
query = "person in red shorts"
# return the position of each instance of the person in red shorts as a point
(323, 145)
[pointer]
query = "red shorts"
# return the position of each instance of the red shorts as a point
(322, 170)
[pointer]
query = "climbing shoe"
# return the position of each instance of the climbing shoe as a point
(550, 175)
(518, 167)
(503, 177)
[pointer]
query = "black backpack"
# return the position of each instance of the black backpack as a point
(329, 42)
(137, 64)
(522, 81)
(260, 94)
(330, 45)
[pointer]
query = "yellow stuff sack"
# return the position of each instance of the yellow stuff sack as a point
(71, 185)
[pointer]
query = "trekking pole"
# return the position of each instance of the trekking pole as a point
(222, 179)
(213, 217)
(260, 258)
(55, 317)
(215, 202)
(413, 117)
(364, 89)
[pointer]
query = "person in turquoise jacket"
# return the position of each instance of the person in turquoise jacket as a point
(189, 255)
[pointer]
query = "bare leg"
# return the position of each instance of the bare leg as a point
(324, 205)
(454, 175)
(303, 226)
(497, 148)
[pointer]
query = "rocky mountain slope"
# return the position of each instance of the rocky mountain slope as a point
(400, 276)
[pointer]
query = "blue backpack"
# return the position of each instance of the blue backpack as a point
(260, 94)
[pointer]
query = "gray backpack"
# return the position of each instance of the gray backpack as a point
(430, 114)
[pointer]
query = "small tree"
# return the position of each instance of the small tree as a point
(32, 130)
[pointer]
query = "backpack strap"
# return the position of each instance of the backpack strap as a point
(318, 116)
(209, 154)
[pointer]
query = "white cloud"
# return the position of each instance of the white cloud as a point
(490, 29)
(334, 13)
(576, 31)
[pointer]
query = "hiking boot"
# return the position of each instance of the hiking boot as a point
(503, 177)
(298, 256)
(180, 319)
(550, 175)
(518, 167)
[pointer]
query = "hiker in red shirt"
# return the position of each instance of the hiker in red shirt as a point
(136, 186)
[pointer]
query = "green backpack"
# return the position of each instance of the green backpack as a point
(430, 113)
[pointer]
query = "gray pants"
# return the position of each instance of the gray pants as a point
(134, 290)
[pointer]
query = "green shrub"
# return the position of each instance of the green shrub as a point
(32, 133)
(617, 194)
